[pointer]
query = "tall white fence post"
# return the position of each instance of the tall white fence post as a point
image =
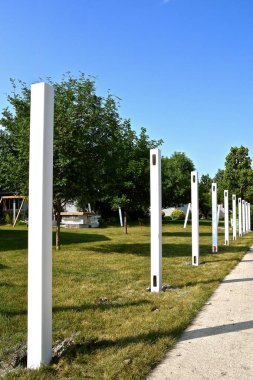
(14, 210)
(240, 217)
(243, 217)
(249, 217)
(156, 220)
(120, 217)
(187, 215)
(226, 217)
(195, 217)
(234, 215)
(39, 350)
(218, 214)
(246, 216)
(214, 219)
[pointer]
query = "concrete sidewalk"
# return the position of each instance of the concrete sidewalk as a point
(219, 343)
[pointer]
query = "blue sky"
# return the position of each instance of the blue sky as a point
(182, 68)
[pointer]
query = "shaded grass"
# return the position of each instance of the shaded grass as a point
(129, 334)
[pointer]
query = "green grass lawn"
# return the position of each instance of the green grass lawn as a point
(126, 336)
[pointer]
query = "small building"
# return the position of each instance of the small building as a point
(79, 219)
(169, 210)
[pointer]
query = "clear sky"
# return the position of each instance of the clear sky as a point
(182, 68)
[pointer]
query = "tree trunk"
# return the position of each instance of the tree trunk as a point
(125, 221)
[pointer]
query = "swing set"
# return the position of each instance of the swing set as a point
(4, 199)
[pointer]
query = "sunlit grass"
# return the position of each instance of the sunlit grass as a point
(124, 337)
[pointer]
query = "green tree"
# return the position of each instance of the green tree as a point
(94, 149)
(237, 177)
(176, 179)
(221, 185)
(133, 191)
(205, 200)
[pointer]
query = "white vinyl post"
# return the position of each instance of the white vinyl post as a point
(240, 217)
(195, 217)
(226, 217)
(249, 217)
(243, 217)
(218, 215)
(89, 207)
(214, 219)
(234, 215)
(156, 220)
(187, 215)
(246, 217)
(120, 217)
(39, 350)
(14, 210)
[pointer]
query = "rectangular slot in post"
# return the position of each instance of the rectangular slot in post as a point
(193, 178)
(154, 159)
(213, 188)
(194, 260)
(154, 281)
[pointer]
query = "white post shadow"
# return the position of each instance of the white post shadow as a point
(214, 219)
(243, 217)
(156, 220)
(195, 217)
(39, 350)
(249, 217)
(120, 217)
(239, 217)
(187, 215)
(226, 217)
(234, 215)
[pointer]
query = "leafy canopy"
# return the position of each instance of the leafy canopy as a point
(176, 179)
(97, 155)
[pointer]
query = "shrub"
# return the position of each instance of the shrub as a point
(163, 214)
(167, 219)
(177, 215)
(113, 220)
(8, 219)
(2, 217)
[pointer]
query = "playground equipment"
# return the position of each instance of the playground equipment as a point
(14, 199)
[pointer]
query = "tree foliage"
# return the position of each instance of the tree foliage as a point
(176, 179)
(205, 200)
(237, 177)
(97, 155)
